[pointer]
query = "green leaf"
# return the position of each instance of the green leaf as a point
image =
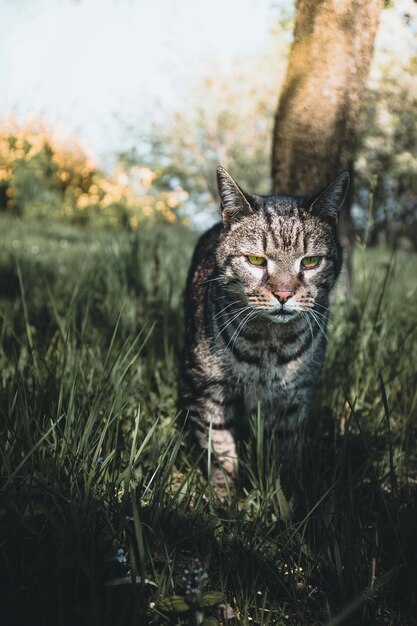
(213, 597)
(173, 604)
(210, 621)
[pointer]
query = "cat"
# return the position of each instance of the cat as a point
(256, 313)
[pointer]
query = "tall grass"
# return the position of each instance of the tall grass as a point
(103, 508)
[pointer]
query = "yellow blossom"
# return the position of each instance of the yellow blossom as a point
(170, 216)
(134, 222)
(127, 195)
(83, 201)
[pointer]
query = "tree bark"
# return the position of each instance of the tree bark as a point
(314, 132)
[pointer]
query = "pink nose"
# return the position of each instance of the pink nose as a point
(283, 296)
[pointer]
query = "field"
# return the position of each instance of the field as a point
(100, 485)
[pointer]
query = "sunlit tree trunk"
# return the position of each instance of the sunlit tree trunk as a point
(314, 133)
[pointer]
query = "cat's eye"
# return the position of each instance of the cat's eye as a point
(309, 262)
(259, 261)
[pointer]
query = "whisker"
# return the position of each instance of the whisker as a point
(322, 329)
(323, 316)
(320, 314)
(241, 326)
(325, 308)
(238, 327)
(318, 321)
(305, 315)
(226, 307)
(240, 312)
(212, 280)
(231, 317)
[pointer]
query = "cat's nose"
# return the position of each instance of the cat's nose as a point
(283, 296)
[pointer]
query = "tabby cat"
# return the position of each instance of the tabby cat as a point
(256, 311)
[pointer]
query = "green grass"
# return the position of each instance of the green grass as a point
(93, 459)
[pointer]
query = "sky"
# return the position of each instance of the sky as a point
(95, 65)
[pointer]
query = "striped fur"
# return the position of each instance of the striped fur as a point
(244, 348)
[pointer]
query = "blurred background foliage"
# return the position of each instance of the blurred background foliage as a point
(43, 175)
(167, 172)
(233, 121)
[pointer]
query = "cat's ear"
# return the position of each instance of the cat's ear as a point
(233, 200)
(329, 201)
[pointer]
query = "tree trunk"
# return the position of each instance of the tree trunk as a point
(314, 133)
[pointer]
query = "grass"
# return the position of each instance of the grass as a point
(100, 487)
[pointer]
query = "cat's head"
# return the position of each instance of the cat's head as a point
(280, 254)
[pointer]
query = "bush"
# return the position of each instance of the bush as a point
(44, 176)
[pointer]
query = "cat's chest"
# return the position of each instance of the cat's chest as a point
(272, 375)
(269, 358)
(267, 372)
(266, 387)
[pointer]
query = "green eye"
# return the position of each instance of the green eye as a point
(256, 260)
(310, 261)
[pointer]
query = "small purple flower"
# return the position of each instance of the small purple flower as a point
(100, 460)
(193, 576)
(120, 556)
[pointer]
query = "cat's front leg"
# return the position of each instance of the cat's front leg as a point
(213, 435)
(287, 413)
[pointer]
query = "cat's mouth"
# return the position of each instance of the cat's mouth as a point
(283, 315)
